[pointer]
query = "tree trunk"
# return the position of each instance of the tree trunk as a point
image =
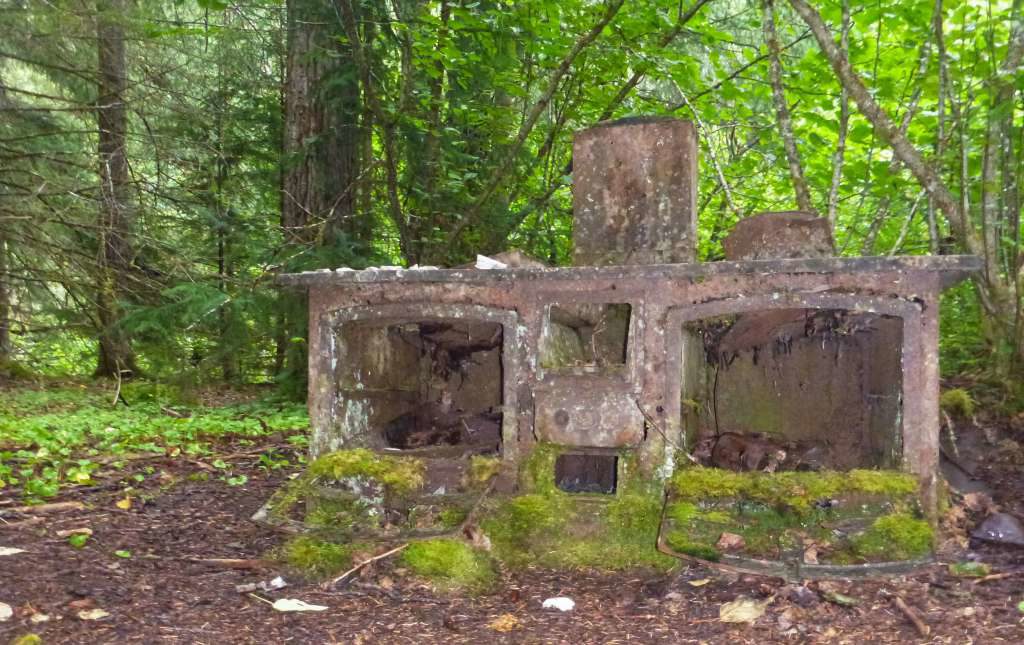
(796, 167)
(5, 304)
(998, 294)
(115, 255)
(321, 130)
(321, 149)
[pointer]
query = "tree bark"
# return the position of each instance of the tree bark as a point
(321, 130)
(321, 151)
(785, 120)
(839, 156)
(115, 255)
(5, 303)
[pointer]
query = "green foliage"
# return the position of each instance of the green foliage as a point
(957, 402)
(54, 437)
(451, 564)
(316, 559)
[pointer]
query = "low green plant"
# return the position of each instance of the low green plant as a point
(55, 437)
(898, 536)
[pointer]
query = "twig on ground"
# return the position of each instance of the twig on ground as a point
(231, 563)
(55, 507)
(922, 628)
(998, 576)
(343, 577)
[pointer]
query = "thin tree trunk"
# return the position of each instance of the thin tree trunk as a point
(885, 126)
(940, 130)
(321, 149)
(115, 256)
(785, 121)
(5, 303)
(844, 125)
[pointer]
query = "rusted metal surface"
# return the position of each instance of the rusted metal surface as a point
(786, 234)
(635, 192)
(565, 377)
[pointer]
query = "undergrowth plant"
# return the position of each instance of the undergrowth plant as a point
(64, 435)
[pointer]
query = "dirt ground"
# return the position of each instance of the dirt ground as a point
(171, 590)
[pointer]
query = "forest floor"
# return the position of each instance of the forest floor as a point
(165, 557)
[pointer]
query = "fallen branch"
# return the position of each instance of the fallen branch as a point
(232, 563)
(922, 628)
(55, 507)
(998, 576)
(345, 576)
(20, 523)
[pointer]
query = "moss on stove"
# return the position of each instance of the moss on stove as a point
(399, 475)
(451, 564)
(855, 516)
(481, 470)
(364, 471)
(795, 491)
(553, 528)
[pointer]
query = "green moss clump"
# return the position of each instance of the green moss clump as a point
(451, 564)
(796, 491)
(396, 475)
(316, 559)
(898, 536)
(681, 542)
(399, 475)
(957, 402)
(553, 528)
(452, 517)
(481, 470)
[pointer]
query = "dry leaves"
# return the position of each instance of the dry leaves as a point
(743, 610)
(504, 623)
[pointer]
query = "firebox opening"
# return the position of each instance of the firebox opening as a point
(585, 336)
(424, 384)
(586, 473)
(794, 389)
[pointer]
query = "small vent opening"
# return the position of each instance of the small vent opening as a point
(585, 473)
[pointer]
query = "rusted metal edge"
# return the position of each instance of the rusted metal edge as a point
(953, 268)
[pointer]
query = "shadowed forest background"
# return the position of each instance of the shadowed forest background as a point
(161, 162)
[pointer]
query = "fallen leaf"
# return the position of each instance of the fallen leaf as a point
(5, 612)
(10, 550)
(504, 623)
(386, 583)
(743, 610)
(78, 540)
(698, 583)
(730, 542)
(561, 603)
(124, 504)
(1020, 606)
(123, 553)
(292, 604)
(39, 618)
(92, 614)
(83, 530)
(811, 554)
